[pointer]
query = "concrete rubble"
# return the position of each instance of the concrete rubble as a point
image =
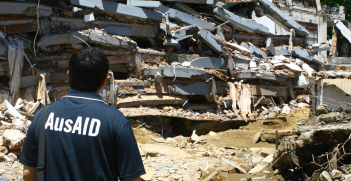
(187, 75)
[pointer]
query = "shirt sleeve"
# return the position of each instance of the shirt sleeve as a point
(30, 148)
(128, 159)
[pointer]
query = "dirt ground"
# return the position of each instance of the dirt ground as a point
(236, 145)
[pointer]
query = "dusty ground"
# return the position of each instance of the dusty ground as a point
(179, 158)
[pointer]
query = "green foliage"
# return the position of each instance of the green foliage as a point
(337, 3)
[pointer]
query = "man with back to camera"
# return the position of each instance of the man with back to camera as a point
(86, 139)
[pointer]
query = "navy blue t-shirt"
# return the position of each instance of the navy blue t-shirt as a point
(86, 139)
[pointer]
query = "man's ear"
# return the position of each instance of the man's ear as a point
(68, 74)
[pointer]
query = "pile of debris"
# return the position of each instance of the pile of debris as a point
(320, 147)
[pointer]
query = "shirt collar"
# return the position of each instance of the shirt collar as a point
(92, 95)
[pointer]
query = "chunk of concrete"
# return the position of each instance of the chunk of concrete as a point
(239, 64)
(14, 139)
(208, 38)
(120, 9)
(240, 22)
(270, 47)
(263, 164)
(186, 18)
(58, 39)
(336, 174)
(324, 176)
(208, 62)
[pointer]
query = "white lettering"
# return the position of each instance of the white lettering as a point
(85, 125)
(50, 121)
(78, 125)
(56, 128)
(68, 127)
(97, 129)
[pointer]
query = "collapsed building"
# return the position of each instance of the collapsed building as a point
(176, 66)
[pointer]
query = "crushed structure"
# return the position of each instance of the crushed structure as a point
(177, 66)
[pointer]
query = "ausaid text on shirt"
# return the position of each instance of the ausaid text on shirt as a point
(57, 125)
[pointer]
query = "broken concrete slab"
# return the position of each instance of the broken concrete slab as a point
(196, 88)
(235, 46)
(121, 9)
(318, 59)
(145, 4)
(262, 75)
(283, 51)
(138, 30)
(320, 47)
(343, 29)
(210, 41)
(240, 22)
(270, 47)
(274, 91)
(181, 34)
(116, 30)
(183, 72)
(254, 50)
(162, 87)
(303, 54)
(208, 62)
(186, 18)
(114, 41)
(58, 39)
(151, 100)
(152, 71)
(29, 9)
(282, 18)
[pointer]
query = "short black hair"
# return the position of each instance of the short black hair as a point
(88, 68)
